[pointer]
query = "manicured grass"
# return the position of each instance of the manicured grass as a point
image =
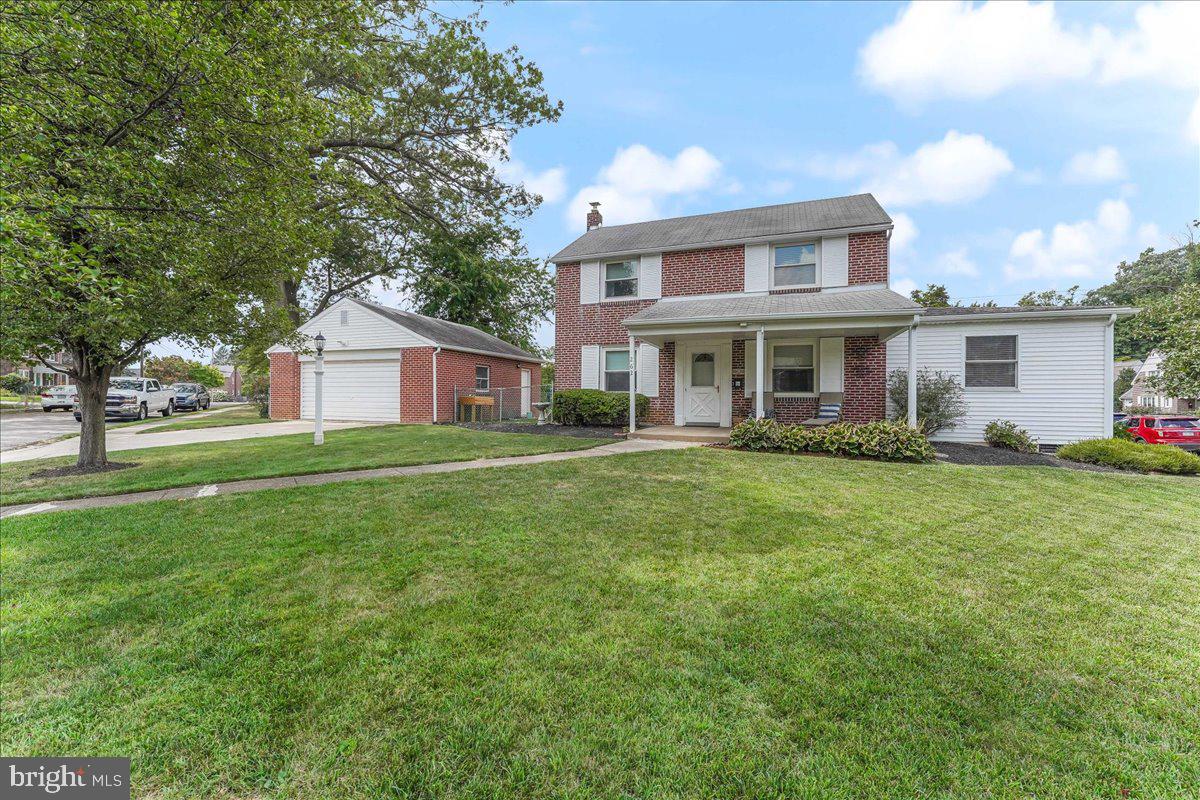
(214, 462)
(214, 418)
(683, 624)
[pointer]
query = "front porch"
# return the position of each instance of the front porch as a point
(683, 433)
(723, 361)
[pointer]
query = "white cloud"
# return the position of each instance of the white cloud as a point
(966, 51)
(904, 286)
(958, 262)
(904, 232)
(631, 187)
(1102, 165)
(550, 183)
(958, 168)
(1083, 249)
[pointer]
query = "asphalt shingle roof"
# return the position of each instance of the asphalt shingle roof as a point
(965, 311)
(855, 211)
(860, 301)
(451, 335)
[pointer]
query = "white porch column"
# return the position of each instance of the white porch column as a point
(760, 358)
(632, 385)
(912, 374)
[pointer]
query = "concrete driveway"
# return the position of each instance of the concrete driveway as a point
(18, 428)
(128, 438)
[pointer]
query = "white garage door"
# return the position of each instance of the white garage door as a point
(354, 390)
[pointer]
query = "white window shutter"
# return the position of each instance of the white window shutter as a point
(650, 277)
(835, 261)
(832, 358)
(647, 367)
(751, 369)
(757, 264)
(589, 367)
(589, 282)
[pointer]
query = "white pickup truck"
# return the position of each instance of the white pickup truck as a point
(135, 398)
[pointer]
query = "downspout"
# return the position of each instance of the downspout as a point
(436, 350)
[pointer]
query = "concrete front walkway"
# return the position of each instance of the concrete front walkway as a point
(237, 487)
(128, 438)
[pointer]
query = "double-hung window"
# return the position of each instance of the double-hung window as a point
(620, 279)
(616, 370)
(793, 369)
(991, 362)
(795, 265)
(483, 379)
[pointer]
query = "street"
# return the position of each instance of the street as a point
(20, 428)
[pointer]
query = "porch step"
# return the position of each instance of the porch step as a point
(678, 433)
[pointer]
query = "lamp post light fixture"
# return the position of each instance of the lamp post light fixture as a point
(319, 374)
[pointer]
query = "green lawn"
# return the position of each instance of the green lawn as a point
(680, 624)
(214, 462)
(214, 418)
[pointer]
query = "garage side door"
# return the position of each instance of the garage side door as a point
(354, 390)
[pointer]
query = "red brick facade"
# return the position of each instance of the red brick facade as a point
(285, 386)
(865, 379)
(868, 258)
(709, 271)
(712, 271)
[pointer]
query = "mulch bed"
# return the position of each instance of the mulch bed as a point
(984, 456)
(550, 429)
(64, 472)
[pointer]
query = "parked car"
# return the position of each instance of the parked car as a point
(1179, 431)
(134, 398)
(57, 397)
(191, 397)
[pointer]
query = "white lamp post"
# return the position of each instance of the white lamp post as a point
(319, 373)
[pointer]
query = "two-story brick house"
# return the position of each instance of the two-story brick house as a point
(774, 310)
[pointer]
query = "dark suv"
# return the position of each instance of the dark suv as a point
(191, 397)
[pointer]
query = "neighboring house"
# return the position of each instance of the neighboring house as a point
(775, 310)
(1143, 394)
(383, 364)
(38, 373)
(1120, 366)
(233, 379)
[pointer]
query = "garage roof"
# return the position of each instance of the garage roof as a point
(451, 335)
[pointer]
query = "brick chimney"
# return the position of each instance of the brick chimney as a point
(594, 220)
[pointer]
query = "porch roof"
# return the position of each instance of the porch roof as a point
(766, 307)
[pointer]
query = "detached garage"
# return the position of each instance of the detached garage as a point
(387, 365)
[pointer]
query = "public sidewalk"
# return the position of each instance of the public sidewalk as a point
(238, 487)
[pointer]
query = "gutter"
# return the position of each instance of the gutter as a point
(900, 312)
(1082, 312)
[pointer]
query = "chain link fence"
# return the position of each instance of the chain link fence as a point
(500, 403)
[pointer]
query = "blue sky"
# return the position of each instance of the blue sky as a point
(1018, 146)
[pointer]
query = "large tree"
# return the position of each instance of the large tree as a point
(182, 170)
(485, 281)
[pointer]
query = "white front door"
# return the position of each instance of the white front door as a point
(526, 407)
(701, 392)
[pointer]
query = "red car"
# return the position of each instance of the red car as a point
(1180, 431)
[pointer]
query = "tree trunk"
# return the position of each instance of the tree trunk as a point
(289, 295)
(93, 388)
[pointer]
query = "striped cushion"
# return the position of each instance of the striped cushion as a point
(830, 411)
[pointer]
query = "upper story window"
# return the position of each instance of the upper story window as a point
(793, 368)
(483, 378)
(991, 362)
(620, 279)
(795, 265)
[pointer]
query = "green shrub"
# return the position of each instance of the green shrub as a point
(596, 407)
(885, 441)
(941, 402)
(258, 392)
(16, 383)
(1133, 455)
(1121, 431)
(1005, 434)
